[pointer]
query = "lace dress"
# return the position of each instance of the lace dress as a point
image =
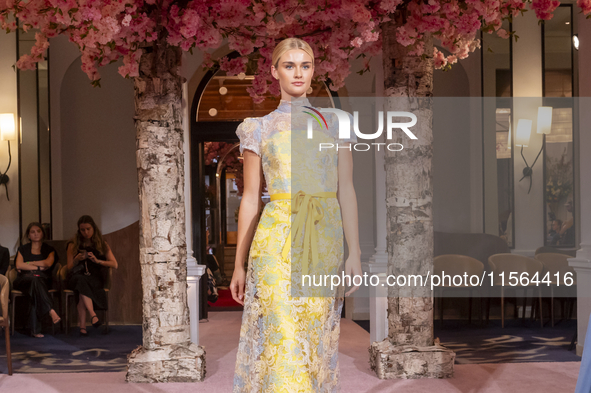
(290, 344)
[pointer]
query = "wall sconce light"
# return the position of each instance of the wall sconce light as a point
(576, 41)
(7, 133)
(523, 134)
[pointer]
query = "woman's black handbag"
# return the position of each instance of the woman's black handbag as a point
(78, 269)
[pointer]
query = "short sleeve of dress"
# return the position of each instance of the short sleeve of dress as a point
(249, 133)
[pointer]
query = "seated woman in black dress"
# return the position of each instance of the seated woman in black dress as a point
(35, 262)
(88, 255)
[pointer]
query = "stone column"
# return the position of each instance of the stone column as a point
(582, 262)
(378, 263)
(166, 353)
(409, 351)
(194, 270)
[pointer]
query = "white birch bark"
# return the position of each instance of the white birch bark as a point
(167, 354)
(409, 350)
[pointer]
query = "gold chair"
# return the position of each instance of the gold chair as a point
(107, 277)
(66, 294)
(519, 264)
(11, 274)
(4, 320)
(453, 264)
(557, 263)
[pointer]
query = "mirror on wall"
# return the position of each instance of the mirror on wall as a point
(498, 154)
(35, 144)
(559, 153)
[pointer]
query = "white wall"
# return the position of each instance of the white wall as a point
(451, 150)
(97, 142)
(527, 84)
(9, 209)
(62, 54)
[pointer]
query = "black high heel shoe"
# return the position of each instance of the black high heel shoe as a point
(85, 334)
(97, 323)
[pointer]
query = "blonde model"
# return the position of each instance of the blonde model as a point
(290, 344)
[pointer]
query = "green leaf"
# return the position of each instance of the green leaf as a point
(516, 37)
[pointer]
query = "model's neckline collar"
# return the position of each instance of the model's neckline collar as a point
(287, 105)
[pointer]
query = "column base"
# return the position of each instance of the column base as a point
(170, 363)
(391, 361)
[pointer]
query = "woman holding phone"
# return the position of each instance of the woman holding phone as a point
(88, 253)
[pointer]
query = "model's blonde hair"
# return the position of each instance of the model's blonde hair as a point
(289, 44)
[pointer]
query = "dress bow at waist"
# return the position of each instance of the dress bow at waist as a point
(308, 211)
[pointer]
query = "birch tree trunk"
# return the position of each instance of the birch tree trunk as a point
(167, 354)
(409, 351)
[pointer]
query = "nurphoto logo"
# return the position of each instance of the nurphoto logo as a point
(344, 119)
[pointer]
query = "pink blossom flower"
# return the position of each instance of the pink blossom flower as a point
(502, 33)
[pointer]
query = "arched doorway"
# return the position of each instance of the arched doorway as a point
(220, 104)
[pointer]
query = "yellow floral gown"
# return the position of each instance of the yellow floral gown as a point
(290, 344)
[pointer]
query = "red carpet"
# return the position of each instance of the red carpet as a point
(224, 302)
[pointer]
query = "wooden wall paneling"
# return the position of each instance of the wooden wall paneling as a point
(125, 297)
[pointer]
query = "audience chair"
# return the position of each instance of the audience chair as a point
(558, 263)
(68, 294)
(4, 320)
(55, 292)
(14, 294)
(453, 264)
(107, 277)
(514, 263)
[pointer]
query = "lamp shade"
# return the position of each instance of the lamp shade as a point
(544, 119)
(523, 132)
(7, 127)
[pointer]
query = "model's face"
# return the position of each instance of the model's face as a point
(294, 72)
(35, 234)
(86, 231)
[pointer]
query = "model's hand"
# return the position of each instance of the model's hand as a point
(237, 285)
(353, 268)
(79, 257)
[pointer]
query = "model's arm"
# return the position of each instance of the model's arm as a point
(249, 206)
(348, 201)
